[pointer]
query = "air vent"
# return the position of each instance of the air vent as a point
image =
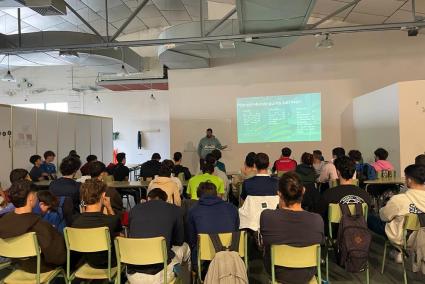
(47, 7)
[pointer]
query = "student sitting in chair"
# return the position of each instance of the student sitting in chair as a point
(207, 175)
(328, 172)
(220, 165)
(164, 182)
(155, 218)
(85, 169)
(56, 211)
(305, 170)
(121, 172)
(290, 225)
(318, 161)
(381, 163)
(22, 220)
(48, 166)
(179, 168)
(36, 172)
(285, 163)
(151, 168)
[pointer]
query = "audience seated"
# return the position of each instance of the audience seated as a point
(420, 160)
(211, 215)
(66, 185)
(48, 167)
(121, 172)
(74, 154)
(305, 170)
(381, 163)
(364, 171)
(328, 172)
(170, 164)
(411, 201)
(285, 163)
(211, 159)
(156, 218)
(179, 168)
(290, 225)
(261, 184)
(207, 175)
(85, 169)
(151, 168)
(98, 171)
(57, 211)
(165, 183)
(346, 192)
(318, 161)
(22, 220)
(249, 170)
(15, 175)
(93, 197)
(19, 174)
(36, 172)
(220, 165)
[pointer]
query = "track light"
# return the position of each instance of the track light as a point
(325, 42)
(8, 77)
(97, 100)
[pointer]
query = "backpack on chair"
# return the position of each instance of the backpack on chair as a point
(227, 266)
(353, 240)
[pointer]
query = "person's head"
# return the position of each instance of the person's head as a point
(338, 152)
(69, 166)
(157, 194)
(168, 163)
(286, 152)
(291, 189)
(307, 159)
(91, 158)
(356, 156)
(210, 159)
(92, 192)
(217, 154)
(209, 133)
(317, 156)
(18, 175)
(156, 157)
(420, 160)
(97, 169)
(35, 160)
(49, 156)
(121, 158)
(345, 167)
(22, 193)
(415, 176)
(208, 167)
(380, 154)
(177, 157)
(261, 161)
(206, 189)
(72, 153)
(164, 170)
(47, 201)
(250, 159)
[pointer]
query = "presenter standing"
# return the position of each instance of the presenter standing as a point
(207, 145)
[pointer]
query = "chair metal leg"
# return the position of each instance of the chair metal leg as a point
(327, 264)
(384, 257)
(367, 273)
(404, 270)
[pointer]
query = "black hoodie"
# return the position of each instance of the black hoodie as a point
(52, 243)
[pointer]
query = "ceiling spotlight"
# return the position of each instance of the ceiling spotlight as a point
(8, 77)
(97, 100)
(325, 42)
(248, 39)
(153, 97)
(227, 44)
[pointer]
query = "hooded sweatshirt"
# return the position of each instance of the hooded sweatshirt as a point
(307, 173)
(50, 241)
(383, 165)
(412, 201)
(169, 186)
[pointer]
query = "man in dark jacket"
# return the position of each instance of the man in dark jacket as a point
(151, 168)
(22, 221)
(211, 215)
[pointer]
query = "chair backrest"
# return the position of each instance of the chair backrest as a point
(295, 257)
(206, 249)
(335, 182)
(25, 245)
(335, 214)
(87, 240)
(149, 250)
(411, 222)
(108, 179)
(280, 173)
(180, 176)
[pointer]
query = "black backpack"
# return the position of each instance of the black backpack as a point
(353, 240)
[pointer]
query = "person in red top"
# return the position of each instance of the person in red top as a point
(285, 164)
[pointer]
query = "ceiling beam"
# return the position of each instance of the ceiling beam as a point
(219, 23)
(202, 17)
(84, 21)
(333, 14)
(216, 39)
(129, 19)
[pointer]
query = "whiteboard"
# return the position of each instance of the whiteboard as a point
(5, 146)
(47, 132)
(96, 137)
(66, 135)
(82, 136)
(24, 136)
(107, 144)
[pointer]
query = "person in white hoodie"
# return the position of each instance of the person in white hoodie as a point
(411, 201)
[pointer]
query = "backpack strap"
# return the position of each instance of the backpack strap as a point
(345, 209)
(234, 246)
(421, 217)
(218, 245)
(359, 209)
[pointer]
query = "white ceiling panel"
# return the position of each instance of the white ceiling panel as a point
(402, 16)
(155, 22)
(30, 29)
(66, 26)
(327, 7)
(134, 26)
(419, 6)
(89, 15)
(117, 13)
(99, 5)
(378, 7)
(173, 5)
(100, 26)
(71, 18)
(41, 22)
(76, 4)
(149, 11)
(365, 19)
(25, 12)
(176, 15)
(133, 4)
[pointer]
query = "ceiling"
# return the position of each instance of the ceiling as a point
(163, 13)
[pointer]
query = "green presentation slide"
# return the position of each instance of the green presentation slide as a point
(290, 118)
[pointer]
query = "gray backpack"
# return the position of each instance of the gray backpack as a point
(227, 266)
(416, 247)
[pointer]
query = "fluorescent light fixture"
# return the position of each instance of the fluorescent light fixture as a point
(227, 44)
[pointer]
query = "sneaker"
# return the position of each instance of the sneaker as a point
(396, 255)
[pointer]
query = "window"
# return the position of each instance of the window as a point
(61, 107)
